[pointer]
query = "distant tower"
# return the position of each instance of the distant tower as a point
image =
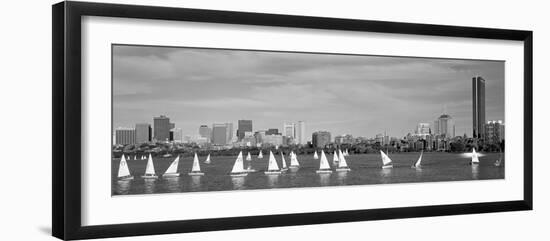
(478, 107)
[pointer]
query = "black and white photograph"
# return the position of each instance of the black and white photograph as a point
(188, 119)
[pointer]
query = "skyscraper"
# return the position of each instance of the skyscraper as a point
(161, 128)
(124, 136)
(320, 139)
(478, 107)
(243, 126)
(177, 135)
(445, 126)
(229, 133)
(301, 133)
(494, 131)
(206, 132)
(219, 134)
(289, 130)
(143, 133)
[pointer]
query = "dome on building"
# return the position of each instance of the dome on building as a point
(445, 116)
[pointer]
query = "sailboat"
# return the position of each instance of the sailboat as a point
(417, 163)
(324, 167)
(475, 158)
(150, 169)
(335, 158)
(123, 170)
(346, 153)
(248, 157)
(238, 167)
(196, 170)
(272, 168)
(261, 155)
(386, 161)
(315, 156)
(284, 168)
(342, 164)
(208, 161)
(172, 170)
(294, 164)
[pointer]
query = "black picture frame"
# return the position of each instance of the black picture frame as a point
(66, 127)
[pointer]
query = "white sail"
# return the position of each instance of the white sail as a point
(315, 156)
(283, 161)
(475, 158)
(123, 169)
(248, 157)
(207, 159)
(417, 164)
(385, 159)
(173, 168)
(272, 163)
(238, 166)
(294, 160)
(323, 164)
(342, 163)
(335, 157)
(150, 169)
(196, 165)
(261, 155)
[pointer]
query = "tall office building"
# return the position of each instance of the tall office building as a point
(161, 128)
(243, 126)
(229, 133)
(494, 131)
(125, 136)
(143, 133)
(219, 134)
(422, 129)
(478, 107)
(177, 135)
(205, 132)
(289, 130)
(301, 133)
(320, 139)
(445, 126)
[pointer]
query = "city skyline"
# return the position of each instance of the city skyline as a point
(343, 94)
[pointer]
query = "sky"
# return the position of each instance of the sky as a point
(344, 94)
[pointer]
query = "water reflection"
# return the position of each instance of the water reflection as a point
(342, 177)
(475, 171)
(272, 180)
(324, 179)
(123, 186)
(386, 172)
(172, 184)
(149, 185)
(238, 183)
(196, 183)
(418, 171)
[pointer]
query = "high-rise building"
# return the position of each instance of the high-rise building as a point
(289, 130)
(229, 133)
(219, 134)
(243, 126)
(445, 126)
(205, 132)
(494, 131)
(143, 133)
(320, 138)
(301, 133)
(422, 129)
(478, 106)
(161, 128)
(272, 131)
(125, 136)
(177, 135)
(344, 139)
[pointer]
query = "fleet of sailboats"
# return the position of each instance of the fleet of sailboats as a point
(294, 164)
(272, 166)
(386, 161)
(238, 167)
(123, 170)
(196, 169)
(150, 169)
(342, 164)
(339, 161)
(324, 167)
(172, 170)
